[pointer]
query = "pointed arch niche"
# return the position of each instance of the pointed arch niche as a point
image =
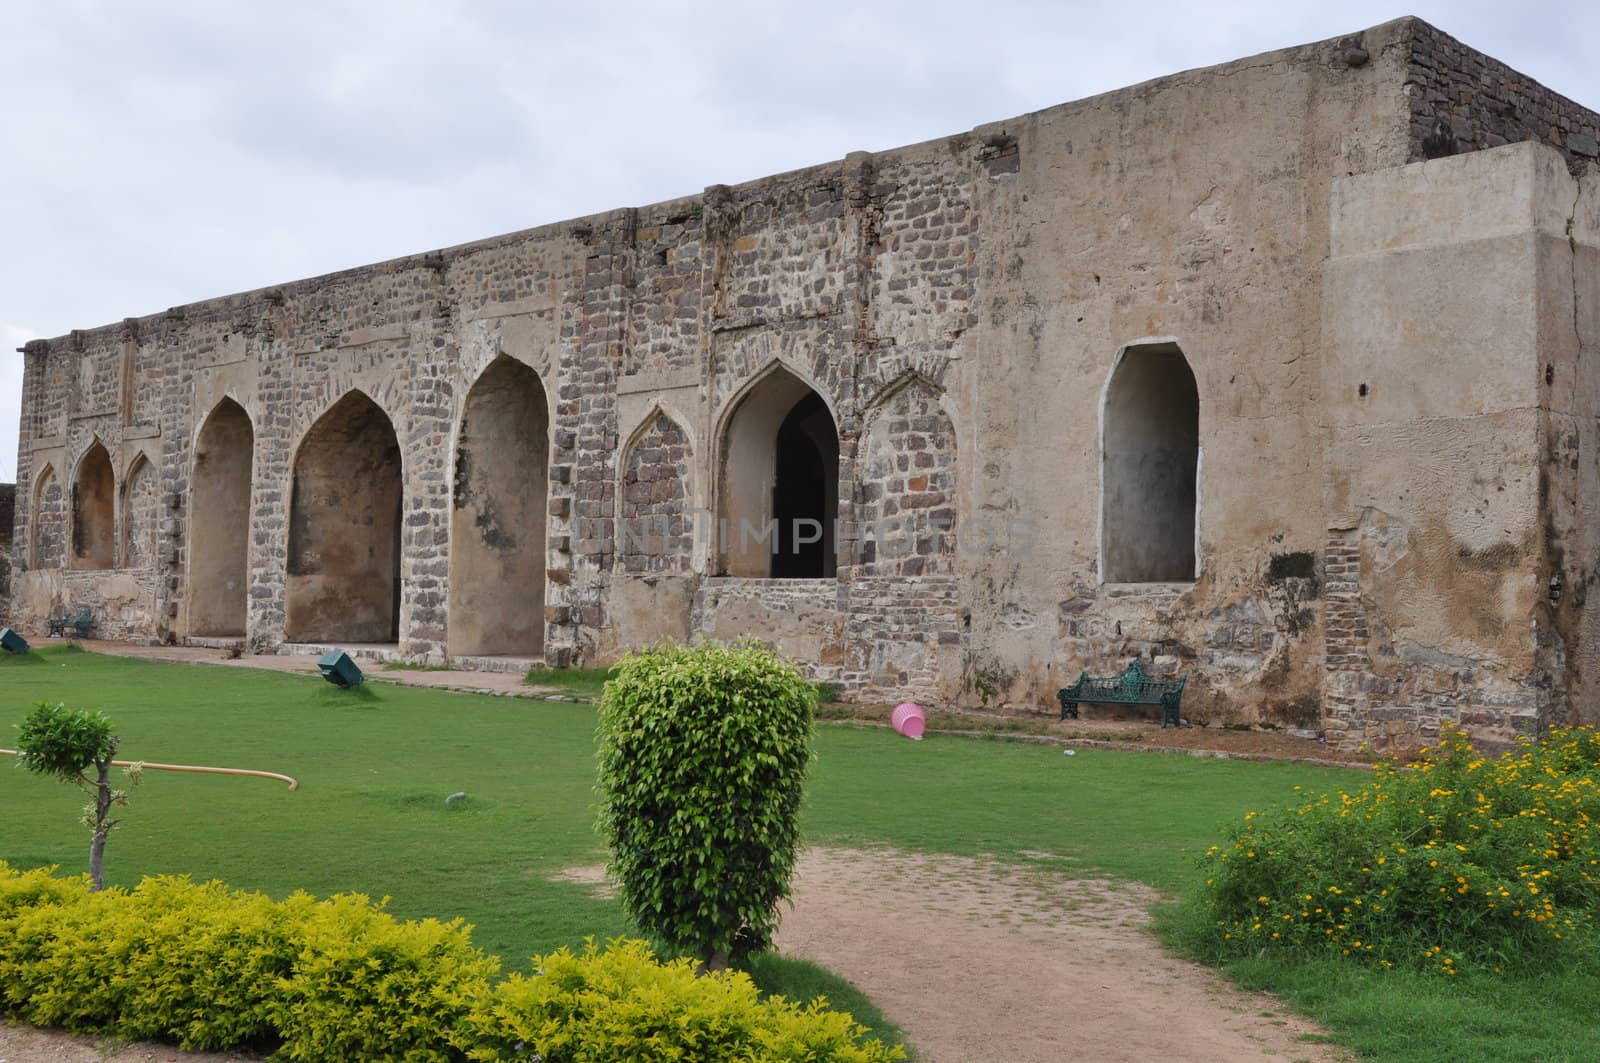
(138, 548)
(1149, 467)
(498, 516)
(779, 472)
(49, 521)
(220, 540)
(656, 531)
(94, 511)
(344, 528)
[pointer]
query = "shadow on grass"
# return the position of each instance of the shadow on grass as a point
(804, 981)
(356, 697)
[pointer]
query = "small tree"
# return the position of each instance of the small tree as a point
(65, 743)
(703, 756)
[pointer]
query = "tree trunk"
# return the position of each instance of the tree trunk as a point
(102, 813)
(717, 961)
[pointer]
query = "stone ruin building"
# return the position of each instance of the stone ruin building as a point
(1271, 374)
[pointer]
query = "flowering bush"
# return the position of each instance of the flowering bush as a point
(1457, 859)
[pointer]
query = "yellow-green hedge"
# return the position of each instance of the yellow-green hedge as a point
(339, 979)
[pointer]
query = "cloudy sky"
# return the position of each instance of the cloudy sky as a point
(156, 152)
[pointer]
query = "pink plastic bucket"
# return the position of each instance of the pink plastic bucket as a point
(908, 719)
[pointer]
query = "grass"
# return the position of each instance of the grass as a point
(574, 682)
(1427, 1018)
(370, 816)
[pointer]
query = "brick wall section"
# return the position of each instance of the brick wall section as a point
(657, 535)
(268, 548)
(1345, 625)
(582, 463)
(425, 549)
(926, 238)
(663, 330)
(904, 637)
(1463, 100)
(1389, 704)
(907, 486)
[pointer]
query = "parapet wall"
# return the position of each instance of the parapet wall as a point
(1463, 100)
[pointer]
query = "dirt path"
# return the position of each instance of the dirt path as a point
(24, 1044)
(979, 961)
(974, 960)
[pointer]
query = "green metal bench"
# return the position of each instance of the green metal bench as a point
(1132, 687)
(79, 625)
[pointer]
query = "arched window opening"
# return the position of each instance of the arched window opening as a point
(805, 492)
(780, 483)
(220, 539)
(49, 520)
(1150, 468)
(499, 514)
(94, 511)
(139, 515)
(344, 528)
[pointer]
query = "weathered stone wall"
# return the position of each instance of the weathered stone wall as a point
(8, 501)
(1569, 315)
(1463, 100)
(1436, 567)
(958, 307)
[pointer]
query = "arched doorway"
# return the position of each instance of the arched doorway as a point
(94, 511)
(1149, 471)
(220, 540)
(779, 497)
(344, 528)
(498, 515)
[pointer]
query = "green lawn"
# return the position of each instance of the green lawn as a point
(376, 767)
(576, 682)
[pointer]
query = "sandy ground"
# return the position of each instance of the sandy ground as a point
(24, 1044)
(979, 961)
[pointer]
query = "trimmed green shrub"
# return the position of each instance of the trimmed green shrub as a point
(622, 1003)
(339, 979)
(703, 757)
(64, 743)
(1459, 859)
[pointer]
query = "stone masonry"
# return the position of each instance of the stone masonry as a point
(1345, 291)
